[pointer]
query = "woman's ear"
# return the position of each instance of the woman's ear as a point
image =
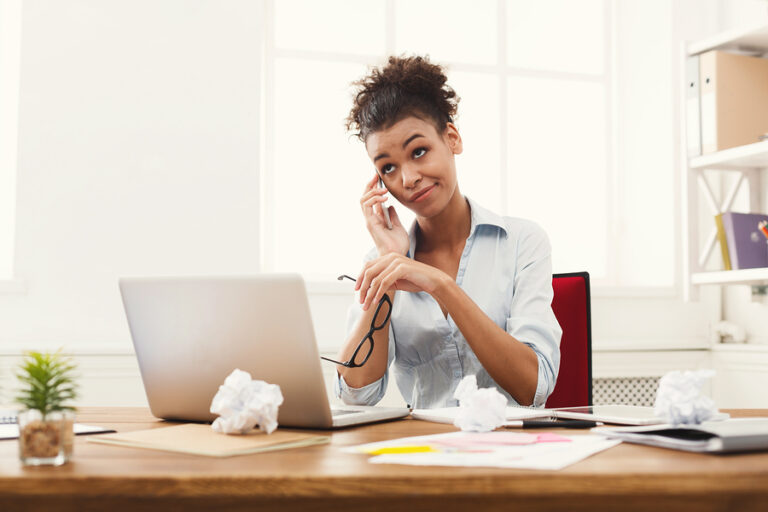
(453, 138)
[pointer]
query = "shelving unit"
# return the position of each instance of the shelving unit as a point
(746, 162)
(741, 368)
(752, 276)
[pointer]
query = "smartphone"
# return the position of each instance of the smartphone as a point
(385, 208)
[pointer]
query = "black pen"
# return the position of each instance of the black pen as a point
(552, 424)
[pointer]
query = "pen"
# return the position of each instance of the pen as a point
(552, 424)
(763, 227)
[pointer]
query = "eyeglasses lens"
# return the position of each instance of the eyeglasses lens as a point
(363, 352)
(382, 313)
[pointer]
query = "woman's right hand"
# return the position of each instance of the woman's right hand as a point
(386, 240)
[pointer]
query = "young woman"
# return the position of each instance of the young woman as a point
(465, 291)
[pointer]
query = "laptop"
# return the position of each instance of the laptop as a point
(190, 333)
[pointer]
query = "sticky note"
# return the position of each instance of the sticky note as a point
(400, 449)
(549, 437)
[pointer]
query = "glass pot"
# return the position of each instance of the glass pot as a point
(46, 441)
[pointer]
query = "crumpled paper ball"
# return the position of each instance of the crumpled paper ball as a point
(679, 399)
(242, 403)
(480, 410)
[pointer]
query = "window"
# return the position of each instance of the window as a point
(10, 42)
(543, 136)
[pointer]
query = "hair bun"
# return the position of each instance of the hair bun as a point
(405, 86)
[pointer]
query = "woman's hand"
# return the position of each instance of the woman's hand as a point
(387, 240)
(397, 272)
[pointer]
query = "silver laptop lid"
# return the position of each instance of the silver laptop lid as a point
(190, 333)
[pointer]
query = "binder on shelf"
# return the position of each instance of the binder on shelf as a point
(733, 100)
(692, 106)
(747, 247)
(723, 241)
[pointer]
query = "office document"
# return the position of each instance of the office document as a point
(545, 451)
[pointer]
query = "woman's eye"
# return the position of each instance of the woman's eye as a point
(419, 152)
(388, 168)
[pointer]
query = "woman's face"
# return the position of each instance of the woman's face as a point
(417, 163)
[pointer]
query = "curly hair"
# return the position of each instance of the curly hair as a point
(406, 86)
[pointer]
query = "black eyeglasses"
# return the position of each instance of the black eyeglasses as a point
(365, 347)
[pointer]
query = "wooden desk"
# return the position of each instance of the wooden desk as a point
(627, 478)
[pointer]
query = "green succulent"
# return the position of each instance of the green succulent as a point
(47, 382)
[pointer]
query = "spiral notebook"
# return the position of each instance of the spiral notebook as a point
(9, 429)
(7, 416)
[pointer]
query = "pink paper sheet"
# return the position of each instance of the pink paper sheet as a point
(499, 438)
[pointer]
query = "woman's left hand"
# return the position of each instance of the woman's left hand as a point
(396, 272)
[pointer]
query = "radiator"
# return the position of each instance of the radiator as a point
(625, 391)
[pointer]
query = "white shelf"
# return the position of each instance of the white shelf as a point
(748, 276)
(740, 347)
(741, 157)
(754, 38)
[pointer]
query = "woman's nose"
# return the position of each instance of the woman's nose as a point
(411, 176)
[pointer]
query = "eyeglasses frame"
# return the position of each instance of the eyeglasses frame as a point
(351, 362)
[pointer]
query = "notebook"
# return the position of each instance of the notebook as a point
(7, 416)
(11, 430)
(733, 435)
(199, 439)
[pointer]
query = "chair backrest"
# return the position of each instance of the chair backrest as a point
(571, 305)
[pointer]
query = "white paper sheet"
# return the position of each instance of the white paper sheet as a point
(448, 414)
(539, 455)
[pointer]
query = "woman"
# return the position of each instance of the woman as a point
(470, 291)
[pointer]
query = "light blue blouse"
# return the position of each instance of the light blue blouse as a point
(506, 270)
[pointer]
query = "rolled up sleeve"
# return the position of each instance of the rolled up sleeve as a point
(531, 319)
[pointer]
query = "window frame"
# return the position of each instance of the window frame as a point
(608, 286)
(10, 59)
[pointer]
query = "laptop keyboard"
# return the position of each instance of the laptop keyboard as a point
(343, 412)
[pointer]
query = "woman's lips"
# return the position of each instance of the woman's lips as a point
(423, 194)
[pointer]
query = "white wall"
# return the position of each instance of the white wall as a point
(10, 52)
(138, 154)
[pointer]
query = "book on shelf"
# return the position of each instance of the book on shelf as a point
(742, 243)
(723, 241)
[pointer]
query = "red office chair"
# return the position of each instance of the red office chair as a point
(571, 307)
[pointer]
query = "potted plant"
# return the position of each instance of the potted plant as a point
(46, 425)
